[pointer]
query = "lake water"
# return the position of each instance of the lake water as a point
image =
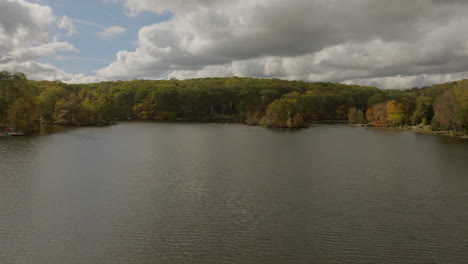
(210, 193)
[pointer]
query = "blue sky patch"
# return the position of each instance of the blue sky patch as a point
(91, 17)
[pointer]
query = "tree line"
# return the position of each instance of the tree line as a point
(25, 104)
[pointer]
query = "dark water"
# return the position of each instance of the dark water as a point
(210, 193)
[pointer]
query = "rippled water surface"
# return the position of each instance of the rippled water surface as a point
(211, 193)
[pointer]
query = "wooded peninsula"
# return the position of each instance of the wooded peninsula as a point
(26, 104)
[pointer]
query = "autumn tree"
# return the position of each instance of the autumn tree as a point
(144, 110)
(377, 114)
(356, 116)
(284, 112)
(395, 113)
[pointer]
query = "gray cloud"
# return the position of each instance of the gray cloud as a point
(312, 40)
(22, 23)
(393, 44)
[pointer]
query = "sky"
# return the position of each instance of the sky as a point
(388, 44)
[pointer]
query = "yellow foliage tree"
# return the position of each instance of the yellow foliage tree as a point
(395, 113)
(144, 110)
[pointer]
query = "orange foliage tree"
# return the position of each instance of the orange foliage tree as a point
(389, 113)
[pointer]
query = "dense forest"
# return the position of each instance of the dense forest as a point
(26, 104)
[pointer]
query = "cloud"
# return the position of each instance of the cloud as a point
(23, 23)
(88, 23)
(111, 32)
(41, 71)
(25, 36)
(67, 24)
(313, 40)
(107, 33)
(390, 44)
(35, 52)
(404, 82)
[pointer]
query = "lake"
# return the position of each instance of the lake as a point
(148, 192)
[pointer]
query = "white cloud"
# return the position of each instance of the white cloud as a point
(88, 23)
(67, 24)
(405, 82)
(25, 36)
(40, 71)
(35, 52)
(134, 7)
(106, 33)
(111, 32)
(299, 39)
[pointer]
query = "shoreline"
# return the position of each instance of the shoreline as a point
(57, 128)
(418, 130)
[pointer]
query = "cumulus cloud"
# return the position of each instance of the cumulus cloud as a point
(22, 24)
(391, 43)
(111, 32)
(25, 37)
(35, 52)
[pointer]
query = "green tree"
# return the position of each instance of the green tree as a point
(24, 115)
(444, 110)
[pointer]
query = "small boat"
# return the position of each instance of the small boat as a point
(16, 134)
(5, 131)
(10, 132)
